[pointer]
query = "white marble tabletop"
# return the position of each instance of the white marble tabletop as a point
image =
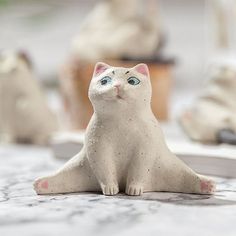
(22, 212)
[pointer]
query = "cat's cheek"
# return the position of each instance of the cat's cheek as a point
(97, 96)
(93, 96)
(107, 91)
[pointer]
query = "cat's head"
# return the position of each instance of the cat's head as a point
(120, 86)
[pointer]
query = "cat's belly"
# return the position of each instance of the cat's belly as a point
(121, 143)
(117, 142)
(122, 157)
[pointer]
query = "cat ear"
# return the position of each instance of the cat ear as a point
(142, 69)
(99, 68)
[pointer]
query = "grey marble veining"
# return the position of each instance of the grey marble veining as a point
(23, 212)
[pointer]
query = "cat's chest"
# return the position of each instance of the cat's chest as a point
(119, 129)
(117, 136)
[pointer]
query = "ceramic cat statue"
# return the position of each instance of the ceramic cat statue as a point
(212, 117)
(24, 114)
(124, 147)
(119, 22)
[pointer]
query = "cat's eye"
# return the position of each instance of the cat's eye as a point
(106, 80)
(133, 80)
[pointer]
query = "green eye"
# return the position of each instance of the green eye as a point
(133, 80)
(106, 80)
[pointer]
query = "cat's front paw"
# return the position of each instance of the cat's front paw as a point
(134, 190)
(110, 189)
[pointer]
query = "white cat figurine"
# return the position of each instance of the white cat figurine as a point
(24, 114)
(119, 22)
(124, 146)
(214, 111)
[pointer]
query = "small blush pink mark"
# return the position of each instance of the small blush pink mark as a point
(44, 184)
(204, 185)
(142, 69)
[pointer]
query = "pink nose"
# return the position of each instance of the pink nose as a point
(117, 86)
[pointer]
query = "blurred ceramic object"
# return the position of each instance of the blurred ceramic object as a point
(124, 148)
(118, 28)
(221, 19)
(75, 77)
(24, 114)
(214, 111)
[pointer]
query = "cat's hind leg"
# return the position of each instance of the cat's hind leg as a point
(75, 176)
(182, 179)
(195, 183)
(207, 185)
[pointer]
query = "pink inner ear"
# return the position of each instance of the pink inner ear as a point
(142, 69)
(100, 68)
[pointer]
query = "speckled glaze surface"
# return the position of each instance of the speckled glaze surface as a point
(26, 213)
(124, 149)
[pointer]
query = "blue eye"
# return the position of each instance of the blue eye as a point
(133, 80)
(106, 80)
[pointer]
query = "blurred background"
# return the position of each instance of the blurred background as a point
(46, 30)
(181, 41)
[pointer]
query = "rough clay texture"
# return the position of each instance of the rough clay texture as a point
(124, 146)
(24, 114)
(215, 109)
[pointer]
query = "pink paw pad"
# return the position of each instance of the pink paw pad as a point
(207, 186)
(44, 184)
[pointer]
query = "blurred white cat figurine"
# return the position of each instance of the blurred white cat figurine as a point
(119, 28)
(24, 114)
(212, 117)
(124, 146)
